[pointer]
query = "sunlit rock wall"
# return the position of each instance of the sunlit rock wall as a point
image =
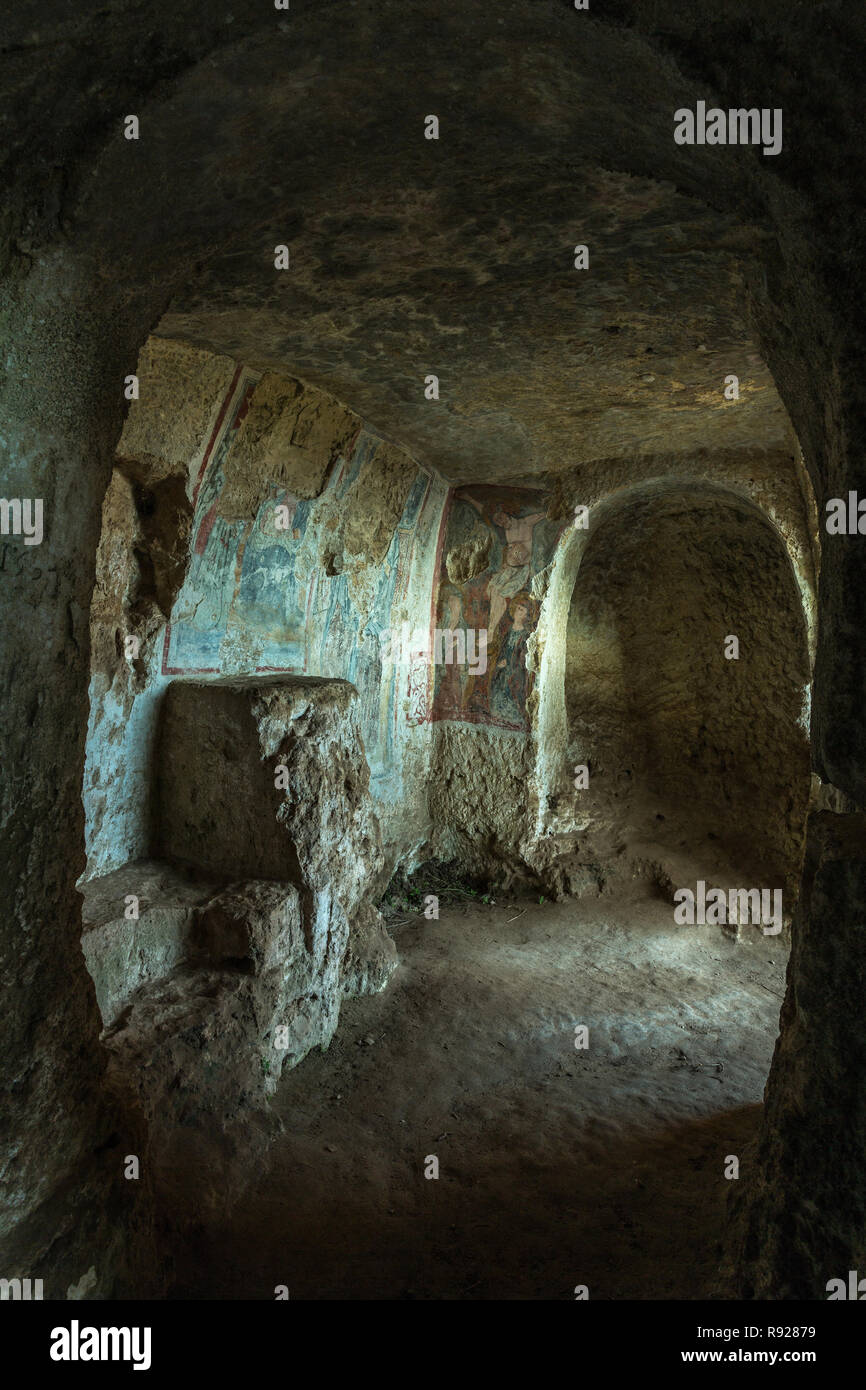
(687, 745)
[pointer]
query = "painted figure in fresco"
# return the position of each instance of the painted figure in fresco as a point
(210, 585)
(367, 671)
(266, 596)
(509, 680)
(268, 601)
(339, 645)
(514, 572)
(368, 681)
(451, 677)
(205, 600)
(476, 607)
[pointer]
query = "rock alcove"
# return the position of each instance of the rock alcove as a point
(248, 482)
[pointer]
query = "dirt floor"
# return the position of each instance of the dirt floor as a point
(557, 1166)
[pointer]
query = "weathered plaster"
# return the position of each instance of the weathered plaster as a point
(317, 595)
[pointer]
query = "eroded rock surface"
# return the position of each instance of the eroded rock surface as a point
(137, 925)
(557, 127)
(214, 974)
(266, 777)
(205, 1044)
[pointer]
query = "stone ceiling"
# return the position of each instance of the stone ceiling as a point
(453, 257)
(540, 365)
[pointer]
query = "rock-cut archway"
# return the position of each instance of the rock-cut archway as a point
(686, 688)
(250, 131)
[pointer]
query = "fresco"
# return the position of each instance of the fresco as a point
(344, 642)
(194, 637)
(498, 600)
(256, 598)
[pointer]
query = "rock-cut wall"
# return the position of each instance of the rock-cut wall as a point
(497, 542)
(255, 526)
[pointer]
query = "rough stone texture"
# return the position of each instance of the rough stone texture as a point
(538, 825)
(206, 998)
(122, 952)
(139, 567)
(351, 557)
(374, 504)
(790, 1238)
(222, 745)
(683, 745)
(474, 250)
(197, 1044)
(65, 1205)
(470, 1042)
(164, 517)
(289, 438)
(559, 130)
(478, 800)
(751, 486)
(464, 561)
(674, 276)
(215, 803)
(774, 482)
(770, 479)
(118, 587)
(168, 424)
(371, 955)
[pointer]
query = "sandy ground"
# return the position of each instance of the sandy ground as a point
(557, 1166)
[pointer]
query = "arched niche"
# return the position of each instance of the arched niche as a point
(634, 683)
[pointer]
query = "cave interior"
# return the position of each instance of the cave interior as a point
(434, 653)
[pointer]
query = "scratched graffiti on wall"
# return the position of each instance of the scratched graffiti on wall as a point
(521, 543)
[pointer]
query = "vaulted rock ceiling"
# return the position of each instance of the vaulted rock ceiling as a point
(452, 256)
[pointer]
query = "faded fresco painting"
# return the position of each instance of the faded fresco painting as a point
(256, 597)
(347, 643)
(498, 599)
